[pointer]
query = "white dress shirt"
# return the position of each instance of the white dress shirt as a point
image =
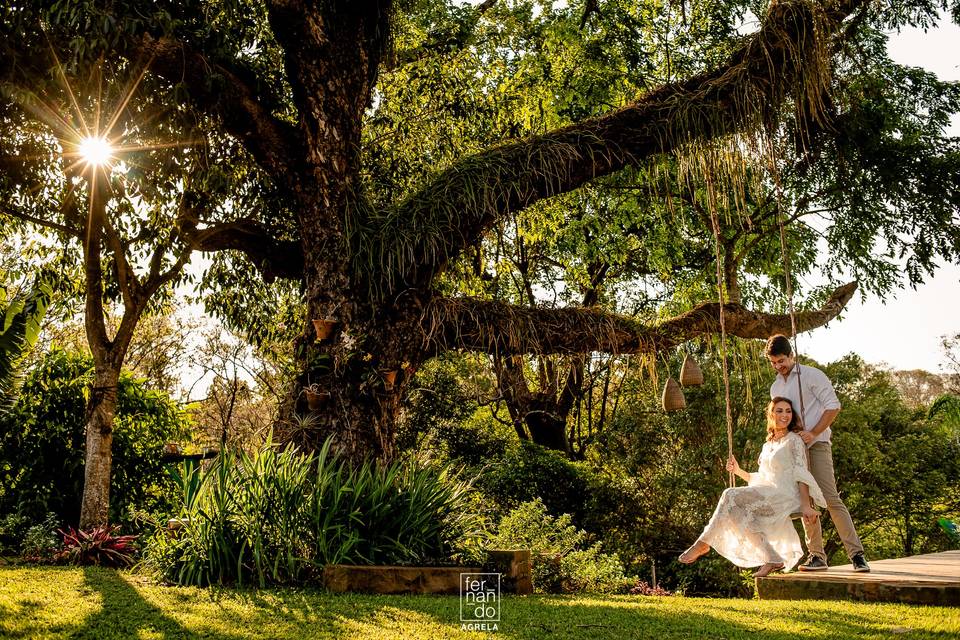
(818, 395)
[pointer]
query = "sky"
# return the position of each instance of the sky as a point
(905, 331)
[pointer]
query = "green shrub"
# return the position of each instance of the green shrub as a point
(441, 410)
(40, 542)
(561, 564)
(42, 444)
(531, 472)
(12, 528)
(279, 516)
(710, 575)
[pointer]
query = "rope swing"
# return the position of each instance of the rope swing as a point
(788, 281)
(672, 395)
(715, 222)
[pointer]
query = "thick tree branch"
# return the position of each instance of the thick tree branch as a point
(129, 284)
(462, 202)
(228, 95)
(499, 328)
(273, 258)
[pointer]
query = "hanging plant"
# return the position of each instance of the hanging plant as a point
(316, 397)
(324, 328)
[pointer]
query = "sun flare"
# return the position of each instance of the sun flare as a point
(95, 151)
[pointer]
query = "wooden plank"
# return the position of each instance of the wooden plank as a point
(932, 579)
(341, 578)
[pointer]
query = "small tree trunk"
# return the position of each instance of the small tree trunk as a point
(95, 508)
(908, 530)
(548, 429)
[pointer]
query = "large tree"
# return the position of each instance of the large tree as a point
(297, 84)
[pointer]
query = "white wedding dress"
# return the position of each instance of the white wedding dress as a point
(751, 525)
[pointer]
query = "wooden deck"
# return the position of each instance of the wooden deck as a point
(932, 579)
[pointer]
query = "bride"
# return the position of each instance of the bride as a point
(751, 525)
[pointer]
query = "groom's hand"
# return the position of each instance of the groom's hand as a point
(806, 436)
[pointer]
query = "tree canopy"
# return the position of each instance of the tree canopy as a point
(425, 173)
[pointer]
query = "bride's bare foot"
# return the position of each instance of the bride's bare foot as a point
(767, 569)
(696, 550)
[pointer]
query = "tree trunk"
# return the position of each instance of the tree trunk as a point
(362, 371)
(907, 530)
(547, 426)
(95, 508)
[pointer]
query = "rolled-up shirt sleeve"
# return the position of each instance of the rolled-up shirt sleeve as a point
(822, 388)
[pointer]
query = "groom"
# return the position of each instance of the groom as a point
(820, 408)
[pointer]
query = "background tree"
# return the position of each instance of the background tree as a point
(126, 218)
(243, 390)
(917, 387)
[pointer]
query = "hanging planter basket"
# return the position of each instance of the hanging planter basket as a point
(690, 373)
(324, 328)
(673, 399)
(316, 399)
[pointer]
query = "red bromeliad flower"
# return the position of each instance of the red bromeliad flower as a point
(98, 546)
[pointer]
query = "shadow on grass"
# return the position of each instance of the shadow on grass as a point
(313, 613)
(614, 617)
(25, 608)
(124, 612)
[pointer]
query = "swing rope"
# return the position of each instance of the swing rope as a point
(714, 220)
(789, 284)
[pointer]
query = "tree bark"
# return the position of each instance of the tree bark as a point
(495, 327)
(95, 506)
(101, 408)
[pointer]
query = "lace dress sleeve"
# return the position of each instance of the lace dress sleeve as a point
(764, 474)
(798, 459)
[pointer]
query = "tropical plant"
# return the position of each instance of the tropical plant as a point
(278, 516)
(20, 319)
(99, 546)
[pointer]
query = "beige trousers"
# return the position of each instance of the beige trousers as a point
(821, 466)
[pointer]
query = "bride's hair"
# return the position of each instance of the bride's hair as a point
(771, 421)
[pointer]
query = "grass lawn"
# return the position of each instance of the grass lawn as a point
(68, 602)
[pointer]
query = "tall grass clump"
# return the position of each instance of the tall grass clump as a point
(278, 516)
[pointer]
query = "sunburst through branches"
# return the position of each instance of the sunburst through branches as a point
(95, 151)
